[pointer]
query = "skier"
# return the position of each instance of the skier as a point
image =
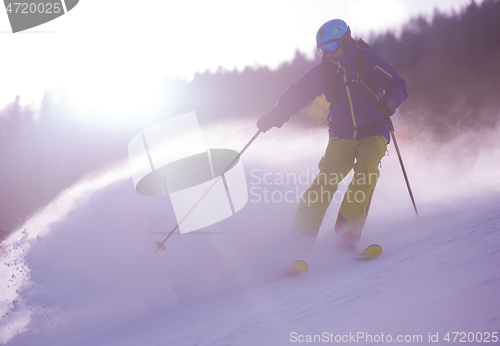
(362, 96)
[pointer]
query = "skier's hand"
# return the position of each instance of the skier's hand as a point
(386, 107)
(265, 122)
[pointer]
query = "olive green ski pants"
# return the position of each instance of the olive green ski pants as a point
(341, 156)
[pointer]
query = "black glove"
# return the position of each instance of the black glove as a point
(386, 107)
(265, 122)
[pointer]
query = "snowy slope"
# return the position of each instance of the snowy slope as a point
(82, 270)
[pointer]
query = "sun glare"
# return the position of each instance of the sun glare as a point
(369, 15)
(114, 94)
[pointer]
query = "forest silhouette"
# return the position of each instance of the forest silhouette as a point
(451, 63)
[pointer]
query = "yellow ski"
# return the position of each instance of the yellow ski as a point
(371, 251)
(299, 266)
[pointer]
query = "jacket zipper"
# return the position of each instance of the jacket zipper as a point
(350, 100)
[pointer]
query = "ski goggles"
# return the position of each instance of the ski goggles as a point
(329, 46)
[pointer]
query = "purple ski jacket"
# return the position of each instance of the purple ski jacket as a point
(354, 115)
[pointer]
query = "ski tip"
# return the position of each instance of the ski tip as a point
(373, 250)
(300, 266)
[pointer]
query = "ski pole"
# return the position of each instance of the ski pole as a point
(160, 245)
(391, 127)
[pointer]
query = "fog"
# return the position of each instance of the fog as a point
(87, 257)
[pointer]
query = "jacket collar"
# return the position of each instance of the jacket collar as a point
(344, 60)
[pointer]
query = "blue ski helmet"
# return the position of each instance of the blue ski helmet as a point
(331, 31)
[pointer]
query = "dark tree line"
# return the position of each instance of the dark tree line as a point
(452, 68)
(233, 93)
(451, 63)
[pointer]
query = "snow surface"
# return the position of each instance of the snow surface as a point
(82, 270)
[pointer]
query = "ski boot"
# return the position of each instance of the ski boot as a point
(347, 241)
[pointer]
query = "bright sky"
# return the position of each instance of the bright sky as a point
(106, 52)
